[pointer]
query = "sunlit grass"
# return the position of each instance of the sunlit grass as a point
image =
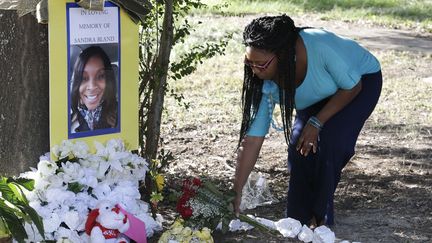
(214, 90)
(394, 13)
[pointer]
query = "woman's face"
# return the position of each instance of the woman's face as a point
(263, 63)
(93, 84)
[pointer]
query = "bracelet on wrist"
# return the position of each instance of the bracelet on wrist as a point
(315, 122)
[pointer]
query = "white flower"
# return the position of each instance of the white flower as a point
(63, 240)
(46, 156)
(72, 172)
(32, 174)
(115, 145)
(40, 183)
(112, 173)
(63, 150)
(52, 223)
(84, 201)
(102, 190)
(47, 168)
(89, 178)
(67, 236)
(72, 219)
(306, 234)
(288, 227)
(54, 181)
(44, 212)
(80, 149)
(58, 195)
(32, 232)
(127, 189)
(102, 168)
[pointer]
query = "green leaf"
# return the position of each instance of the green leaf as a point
(37, 220)
(26, 183)
(18, 193)
(156, 197)
(225, 225)
(7, 193)
(75, 187)
(13, 223)
(211, 187)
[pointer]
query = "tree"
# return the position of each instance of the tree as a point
(24, 94)
(156, 70)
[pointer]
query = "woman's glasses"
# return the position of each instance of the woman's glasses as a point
(260, 67)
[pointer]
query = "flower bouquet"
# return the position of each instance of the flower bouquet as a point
(66, 189)
(179, 233)
(203, 205)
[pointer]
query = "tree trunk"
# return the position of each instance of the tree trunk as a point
(162, 63)
(24, 94)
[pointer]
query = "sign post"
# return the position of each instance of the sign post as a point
(93, 68)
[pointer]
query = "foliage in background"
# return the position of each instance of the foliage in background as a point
(15, 209)
(393, 13)
(167, 25)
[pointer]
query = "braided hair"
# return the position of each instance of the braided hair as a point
(275, 34)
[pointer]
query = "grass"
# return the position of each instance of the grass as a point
(213, 91)
(395, 143)
(394, 13)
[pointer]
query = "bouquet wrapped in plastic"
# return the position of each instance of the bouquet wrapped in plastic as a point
(203, 205)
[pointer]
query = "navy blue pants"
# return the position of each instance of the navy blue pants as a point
(314, 178)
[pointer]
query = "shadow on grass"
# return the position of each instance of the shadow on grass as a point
(387, 204)
(417, 153)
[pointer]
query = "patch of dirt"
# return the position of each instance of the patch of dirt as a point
(386, 189)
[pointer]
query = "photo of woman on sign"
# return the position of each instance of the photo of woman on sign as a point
(93, 92)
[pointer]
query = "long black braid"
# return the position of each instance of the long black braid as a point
(276, 34)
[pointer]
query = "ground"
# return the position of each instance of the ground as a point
(386, 189)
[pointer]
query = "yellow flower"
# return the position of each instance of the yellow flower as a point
(186, 239)
(177, 230)
(204, 235)
(160, 182)
(178, 222)
(186, 232)
(165, 237)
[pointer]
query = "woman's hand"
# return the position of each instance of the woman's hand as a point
(308, 140)
(246, 159)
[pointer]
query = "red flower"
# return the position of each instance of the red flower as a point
(187, 213)
(196, 182)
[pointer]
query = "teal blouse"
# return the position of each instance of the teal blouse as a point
(333, 62)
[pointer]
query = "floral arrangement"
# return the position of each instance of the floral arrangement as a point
(66, 189)
(179, 233)
(203, 205)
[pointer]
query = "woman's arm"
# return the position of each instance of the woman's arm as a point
(246, 159)
(310, 133)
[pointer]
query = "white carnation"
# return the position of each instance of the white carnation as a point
(72, 219)
(47, 168)
(112, 173)
(51, 223)
(80, 149)
(58, 195)
(115, 145)
(89, 178)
